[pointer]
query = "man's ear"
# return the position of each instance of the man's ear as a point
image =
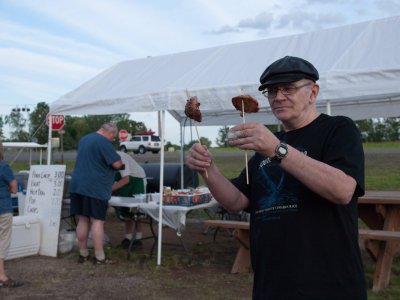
(314, 93)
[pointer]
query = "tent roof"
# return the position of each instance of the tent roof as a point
(23, 145)
(359, 68)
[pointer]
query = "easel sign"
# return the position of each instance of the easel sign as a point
(44, 200)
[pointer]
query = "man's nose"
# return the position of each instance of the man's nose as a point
(280, 95)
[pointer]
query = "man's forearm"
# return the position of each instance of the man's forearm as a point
(224, 191)
(122, 182)
(328, 182)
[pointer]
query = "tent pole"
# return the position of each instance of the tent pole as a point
(182, 154)
(328, 107)
(49, 141)
(159, 121)
(160, 215)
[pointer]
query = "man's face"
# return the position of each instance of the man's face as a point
(111, 135)
(290, 101)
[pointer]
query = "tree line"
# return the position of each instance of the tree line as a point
(371, 130)
(75, 126)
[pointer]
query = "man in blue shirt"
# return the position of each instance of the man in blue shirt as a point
(90, 188)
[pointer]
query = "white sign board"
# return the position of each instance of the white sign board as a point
(44, 199)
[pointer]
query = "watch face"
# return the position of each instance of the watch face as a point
(282, 151)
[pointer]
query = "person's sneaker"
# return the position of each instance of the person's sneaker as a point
(125, 243)
(105, 261)
(82, 259)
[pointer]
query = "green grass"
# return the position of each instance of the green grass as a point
(382, 172)
(382, 146)
(225, 150)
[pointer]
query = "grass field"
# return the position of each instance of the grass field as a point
(382, 172)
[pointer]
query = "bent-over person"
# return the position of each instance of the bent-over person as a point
(90, 189)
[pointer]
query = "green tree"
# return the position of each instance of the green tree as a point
(75, 128)
(378, 130)
(1, 128)
(204, 141)
(94, 122)
(123, 122)
(169, 144)
(222, 139)
(17, 123)
(37, 126)
(392, 130)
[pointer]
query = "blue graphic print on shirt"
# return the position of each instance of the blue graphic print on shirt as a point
(276, 199)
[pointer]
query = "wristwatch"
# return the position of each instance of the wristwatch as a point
(280, 152)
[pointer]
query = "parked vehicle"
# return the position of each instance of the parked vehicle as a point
(142, 142)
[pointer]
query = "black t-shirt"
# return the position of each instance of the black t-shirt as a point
(302, 245)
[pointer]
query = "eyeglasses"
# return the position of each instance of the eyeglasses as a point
(271, 93)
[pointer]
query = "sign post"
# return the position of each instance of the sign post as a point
(57, 122)
(61, 133)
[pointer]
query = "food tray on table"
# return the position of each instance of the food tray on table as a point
(185, 197)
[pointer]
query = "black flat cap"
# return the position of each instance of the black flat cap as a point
(288, 69)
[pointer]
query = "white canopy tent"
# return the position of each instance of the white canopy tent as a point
(28, 145)
(359, 69)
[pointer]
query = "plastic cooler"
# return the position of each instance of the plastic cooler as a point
(25, 237)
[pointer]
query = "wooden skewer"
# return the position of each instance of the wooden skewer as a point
(195, 126)
(245, 153)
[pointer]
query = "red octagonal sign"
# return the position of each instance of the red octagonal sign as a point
(57, 121)
(123, 134)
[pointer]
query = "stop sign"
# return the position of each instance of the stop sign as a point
(123, 134)
(57, 121)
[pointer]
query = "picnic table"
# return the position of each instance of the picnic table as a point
(380, 211)
(242, 233)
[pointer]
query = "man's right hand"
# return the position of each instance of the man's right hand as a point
(199, 158)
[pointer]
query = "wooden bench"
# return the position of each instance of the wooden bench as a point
(381, 245)
(242, 233)
(380, 235)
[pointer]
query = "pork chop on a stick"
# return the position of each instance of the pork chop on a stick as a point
(245, 103)
(193, 112)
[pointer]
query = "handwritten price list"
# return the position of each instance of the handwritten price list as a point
(44, 200)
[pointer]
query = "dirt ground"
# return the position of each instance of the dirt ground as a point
(206, 276)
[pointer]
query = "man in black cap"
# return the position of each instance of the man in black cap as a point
(302, 194)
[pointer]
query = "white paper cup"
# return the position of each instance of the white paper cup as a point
(233, 135)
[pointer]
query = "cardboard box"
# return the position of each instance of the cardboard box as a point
(25, 237)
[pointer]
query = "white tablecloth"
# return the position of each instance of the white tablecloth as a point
(174, 216)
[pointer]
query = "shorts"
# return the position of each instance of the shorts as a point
(88, 206)
(5, 233)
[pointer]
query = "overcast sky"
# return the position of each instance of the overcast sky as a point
(48, 48)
